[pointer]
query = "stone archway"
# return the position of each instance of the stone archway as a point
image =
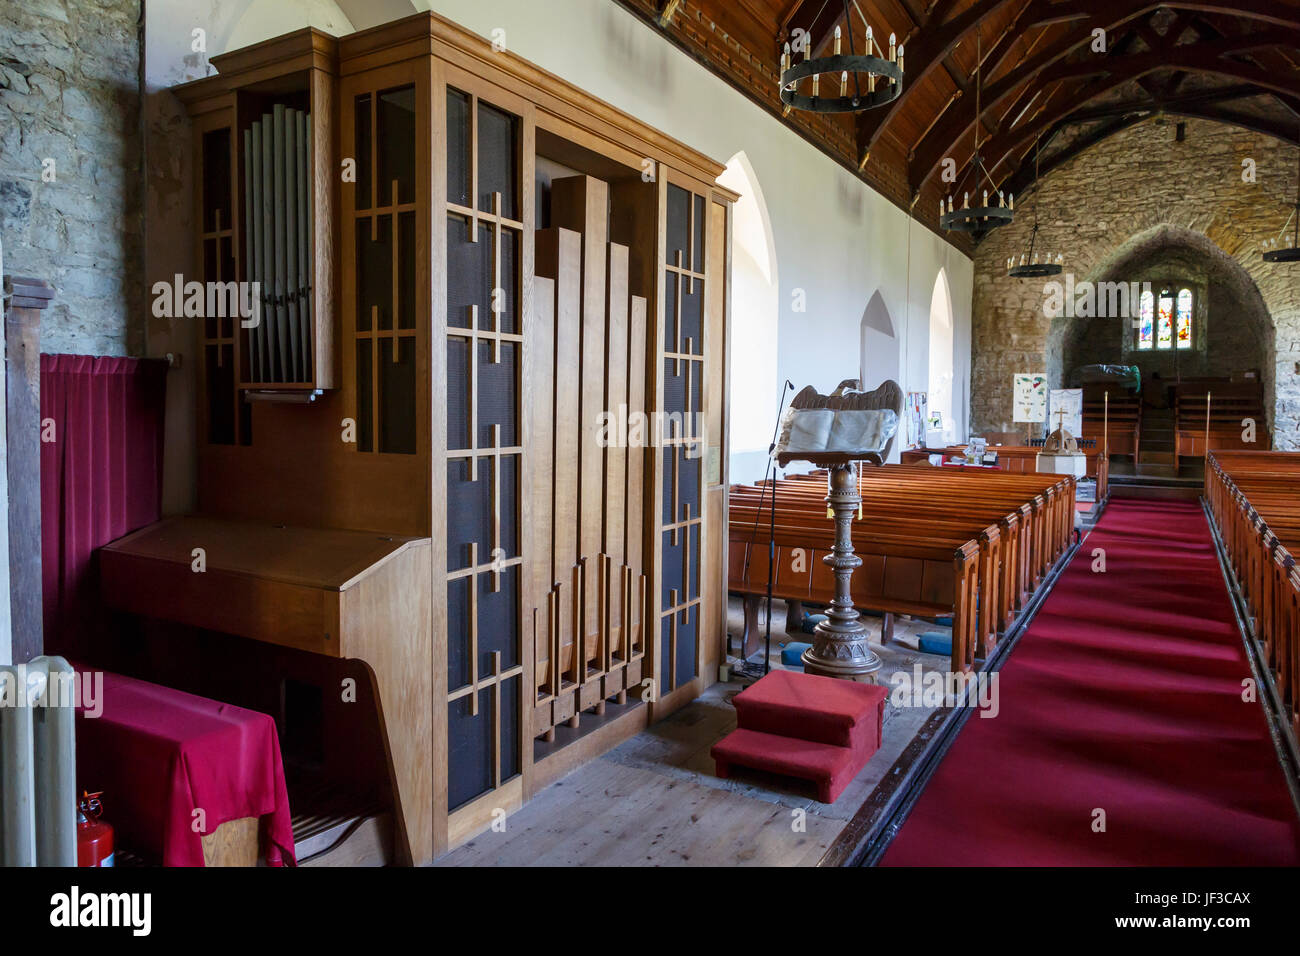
(1239, 330)
(1105, 202)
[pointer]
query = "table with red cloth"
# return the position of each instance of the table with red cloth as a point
(159, 754)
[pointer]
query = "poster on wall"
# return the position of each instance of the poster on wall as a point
(1029, 397)
(1065, 410)
(914, 415)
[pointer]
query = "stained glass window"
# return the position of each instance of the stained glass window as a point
(1146, 320)
(1185, 319)
(1165, 322)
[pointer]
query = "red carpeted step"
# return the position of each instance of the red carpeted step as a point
(829, 767)
(822, 709)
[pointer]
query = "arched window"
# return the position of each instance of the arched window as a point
(1184, 318)
(1165, 321)
(939, 391)
(1146, 320)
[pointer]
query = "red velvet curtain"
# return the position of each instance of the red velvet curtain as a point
(101, 478)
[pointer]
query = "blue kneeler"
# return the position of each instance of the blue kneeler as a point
(792, 654)
(935, 642)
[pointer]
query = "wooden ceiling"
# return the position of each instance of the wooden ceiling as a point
(1042, 84)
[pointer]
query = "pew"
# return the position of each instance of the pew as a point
(1116, 427)
(1230, 406)
(933, 543)
(1022, 458)
(1254, 500)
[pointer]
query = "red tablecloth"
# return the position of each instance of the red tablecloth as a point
(160, 754)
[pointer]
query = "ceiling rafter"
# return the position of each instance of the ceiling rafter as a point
(1051, 66)
(1021, 183)
(1198, 58)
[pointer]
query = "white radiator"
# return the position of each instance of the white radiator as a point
(38, 764)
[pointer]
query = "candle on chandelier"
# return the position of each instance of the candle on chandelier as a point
(1011, 202)
(986, 199)
(965, 200)
(837, 41)
(950, 204)
(900, 59)
(844, 82)
(816, 77)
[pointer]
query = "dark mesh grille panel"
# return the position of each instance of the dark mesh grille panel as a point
(695, 560)
(688, 483)
(397, 397)
(498, 619)
(457, 148)
(458, 633)
(469, 741)
(465, 263)
(483, 516)
(673, 562)
(406, 270)
(675, 387)
(365, 397)
(509, 300)
(697, 239)
(469, 511)
(397, 145)
(374, 274)
(457, 393)
(678, 228)
(671, 318)
(221, 395)
(216, 181)
(362, 152)
(498, 160)
(497, 393)
(687, 627)
(692, 317)
(509, 728)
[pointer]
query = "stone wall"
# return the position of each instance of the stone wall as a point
(69, 92)
(1105, 211)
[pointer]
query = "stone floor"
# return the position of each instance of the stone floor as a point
(654, 800)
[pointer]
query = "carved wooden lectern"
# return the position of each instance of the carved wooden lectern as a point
(839, 646)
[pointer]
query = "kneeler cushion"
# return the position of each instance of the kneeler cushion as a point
(810, 707)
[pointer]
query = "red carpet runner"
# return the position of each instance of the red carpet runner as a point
(1124, 695)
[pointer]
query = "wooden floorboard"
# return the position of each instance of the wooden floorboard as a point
(655, 801)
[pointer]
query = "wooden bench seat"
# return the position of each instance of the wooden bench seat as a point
(973, 546)
(1254, 500)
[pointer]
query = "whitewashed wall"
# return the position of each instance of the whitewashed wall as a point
(834, 237)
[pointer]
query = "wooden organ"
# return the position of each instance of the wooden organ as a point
(516, 338)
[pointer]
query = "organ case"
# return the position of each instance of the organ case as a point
(514, 276)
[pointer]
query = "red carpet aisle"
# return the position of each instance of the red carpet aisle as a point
(1123, 695)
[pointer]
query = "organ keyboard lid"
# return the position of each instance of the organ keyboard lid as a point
(326, 558)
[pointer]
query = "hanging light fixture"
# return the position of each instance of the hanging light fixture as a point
(1034, 264)
(859, 82)
(983, 217)
(1274, 251)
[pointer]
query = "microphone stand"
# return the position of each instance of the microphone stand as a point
(769, 480)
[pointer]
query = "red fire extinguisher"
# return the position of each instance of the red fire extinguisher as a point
(94, 836)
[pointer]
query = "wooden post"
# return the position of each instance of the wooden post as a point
(839, 645)
(22, 330)
(1207, 423)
